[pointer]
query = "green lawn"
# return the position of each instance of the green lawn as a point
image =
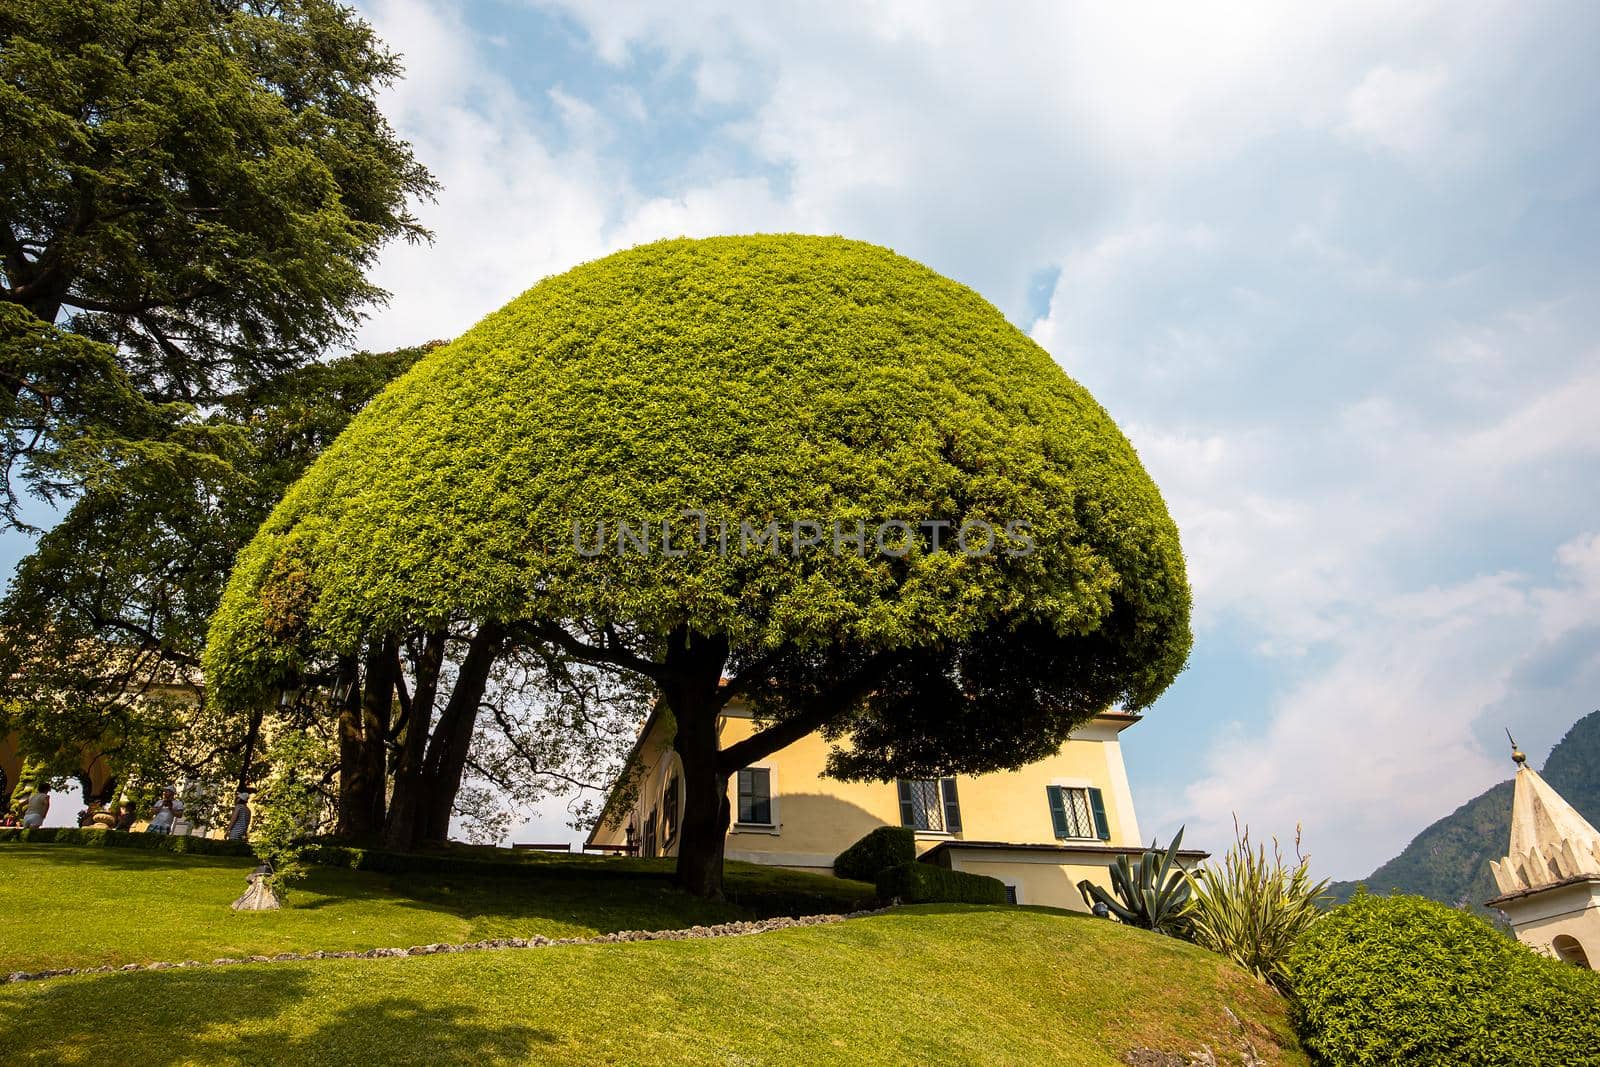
(68, 906)
(932, 984)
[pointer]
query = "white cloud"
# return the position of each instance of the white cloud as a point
(1400, 111)
(1384, 740)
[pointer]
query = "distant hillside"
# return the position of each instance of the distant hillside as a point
(1449, 861)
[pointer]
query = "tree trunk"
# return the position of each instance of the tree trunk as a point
(452, 738)
(703, 833)
(377, 703)
(404, 807)
(355, 792)
(694, 664)
(252, 737)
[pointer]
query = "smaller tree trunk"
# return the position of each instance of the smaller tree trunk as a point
(252, 737)
(377, 704)
(400, 830)
(452, 738)
(355, 791)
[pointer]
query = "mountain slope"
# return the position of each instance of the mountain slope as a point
(1449, 861)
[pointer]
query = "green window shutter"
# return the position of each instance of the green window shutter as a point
(1058, 809)
(908, 810)
(1097, 801)
(952, 805)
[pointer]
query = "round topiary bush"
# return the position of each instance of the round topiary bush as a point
(755, 379)
(892, 516)
(1402, 979)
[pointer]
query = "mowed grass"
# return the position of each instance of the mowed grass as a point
(67, 906)
(931, 984)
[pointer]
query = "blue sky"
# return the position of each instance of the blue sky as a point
(1332, 269)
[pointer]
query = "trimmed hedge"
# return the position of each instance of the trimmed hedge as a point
(1402, 979)
(923, 883)
(98, 838)
(885, 847)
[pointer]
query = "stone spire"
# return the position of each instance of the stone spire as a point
(1550, 841)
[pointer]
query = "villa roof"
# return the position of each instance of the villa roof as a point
(1085, 849)
(1577, 879)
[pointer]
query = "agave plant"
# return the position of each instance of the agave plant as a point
(1153, 895)
(1253, 908)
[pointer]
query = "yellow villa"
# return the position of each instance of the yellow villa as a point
(1040, 830)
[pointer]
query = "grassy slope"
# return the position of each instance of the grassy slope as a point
(946, 984)
(65, 906)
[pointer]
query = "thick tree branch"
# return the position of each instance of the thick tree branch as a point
(817, 713)
(614, 654)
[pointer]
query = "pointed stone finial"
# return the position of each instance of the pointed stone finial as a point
(1518, 757)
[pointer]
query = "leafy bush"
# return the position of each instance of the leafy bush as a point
(923, 883)
(1252, 910)
(1152, 896)
(885, 847)
(1405, 980)
(289, 808)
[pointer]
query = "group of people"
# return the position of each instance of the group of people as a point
(164, 819)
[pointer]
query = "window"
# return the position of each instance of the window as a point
(755, 796)
(1078, 812)
(649, 848)
(1011, 893)
(1568, 949)
(930, 804)
(669, 810)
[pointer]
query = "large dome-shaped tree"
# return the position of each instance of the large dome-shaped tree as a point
(805, 417)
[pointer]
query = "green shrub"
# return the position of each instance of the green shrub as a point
(99, 838)
(885, 847)
(1405, 980)
(1253, 910)
(923, 883)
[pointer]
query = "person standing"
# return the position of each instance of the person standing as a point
(239, 825)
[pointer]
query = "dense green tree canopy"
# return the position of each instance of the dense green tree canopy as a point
(117, 596)
(193, 188)
(757, 380)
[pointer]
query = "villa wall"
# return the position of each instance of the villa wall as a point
(1572, 911)
(815, 817)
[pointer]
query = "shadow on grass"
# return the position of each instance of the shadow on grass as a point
(168, 1018)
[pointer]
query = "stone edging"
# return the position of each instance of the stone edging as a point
(733, 929)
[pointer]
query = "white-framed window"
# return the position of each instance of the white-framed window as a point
(1013, 893)
(930, 804)
(1078, 813)
(753, 797)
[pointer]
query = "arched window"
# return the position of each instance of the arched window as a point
(1568, 950)
(669, 811)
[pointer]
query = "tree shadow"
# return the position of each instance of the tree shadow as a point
(203, 1016)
